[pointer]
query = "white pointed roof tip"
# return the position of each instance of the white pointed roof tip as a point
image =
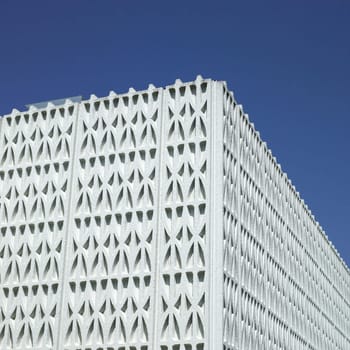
(112, 94)
(131, 90)
(240, 107)
(151, 87)
(199, 78)
(15, 111)
(32, 108)
(50, 105)
(93, 97)
(68, 101)
(178, 82)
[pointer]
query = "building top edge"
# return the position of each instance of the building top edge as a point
(64, 102)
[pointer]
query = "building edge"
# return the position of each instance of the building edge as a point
(216, 244)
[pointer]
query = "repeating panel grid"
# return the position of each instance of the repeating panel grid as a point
(288, 282)
(109, 281)
(35, 164)
(109, 235)
(183, 253)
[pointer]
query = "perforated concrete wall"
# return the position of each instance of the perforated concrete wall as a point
(158, 219)
(285, 285)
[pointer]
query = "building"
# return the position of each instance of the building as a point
(158, 219)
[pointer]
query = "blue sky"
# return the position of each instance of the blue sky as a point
(288, 63)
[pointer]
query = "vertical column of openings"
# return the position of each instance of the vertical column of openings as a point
(35, 169)
(182, 290)
(108, 300)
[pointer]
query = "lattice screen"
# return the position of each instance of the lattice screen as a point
(105, 222)
(36, 151)
(158, 219)
(285, 286)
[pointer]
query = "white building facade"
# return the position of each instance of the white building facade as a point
(158, 219)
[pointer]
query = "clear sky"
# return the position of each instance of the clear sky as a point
(288, 63)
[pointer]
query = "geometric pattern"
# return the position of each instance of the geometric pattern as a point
(35, 163)
(285, 286)
(158, 219)
(182, 256)
(108, 299)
